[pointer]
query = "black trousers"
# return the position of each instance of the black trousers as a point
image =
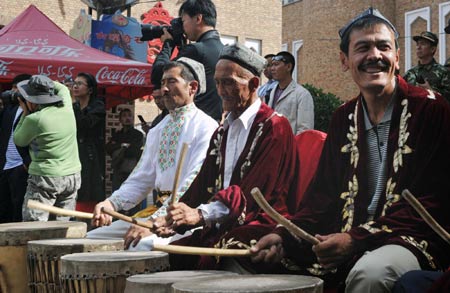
(13, 184)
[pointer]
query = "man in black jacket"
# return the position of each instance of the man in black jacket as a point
(14, 160)
(199, 21)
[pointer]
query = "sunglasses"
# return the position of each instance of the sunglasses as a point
(279, 58)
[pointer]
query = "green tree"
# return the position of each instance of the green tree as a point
(324, 106)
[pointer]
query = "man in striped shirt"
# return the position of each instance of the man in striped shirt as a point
(14, 160)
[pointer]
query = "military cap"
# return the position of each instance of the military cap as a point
(197, 70)
(39, 89)
(429, 36)
(245, 57)
(369, 13)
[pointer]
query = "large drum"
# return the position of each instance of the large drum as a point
(162, 282)
(44, 259)
(107, 271)
(13, 248)
(251, 283)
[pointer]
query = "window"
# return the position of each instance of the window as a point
(228, 40)
(253, 44)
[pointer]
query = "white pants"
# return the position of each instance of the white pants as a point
(378, 270)
(119, 228)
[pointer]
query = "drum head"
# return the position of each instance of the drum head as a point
(63, 246)
(251, 283)
(162, 281)
(20, 233)
(83, 265)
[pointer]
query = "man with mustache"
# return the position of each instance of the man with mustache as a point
(392, 136)
(185, 123)
(428, 73)
(254, 147)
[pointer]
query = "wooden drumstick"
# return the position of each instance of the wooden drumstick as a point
(32, 204)
(184, 149)
(178, 249)
(117, 215)
(425, 215)
(293, 229)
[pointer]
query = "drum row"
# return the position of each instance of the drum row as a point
(55, 257)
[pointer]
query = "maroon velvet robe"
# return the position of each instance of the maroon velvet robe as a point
(418, 158)
(268, 161)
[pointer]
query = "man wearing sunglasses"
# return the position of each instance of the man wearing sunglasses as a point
(289, 98)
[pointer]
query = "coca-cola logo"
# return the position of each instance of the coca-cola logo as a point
(131, 76)
(4, 67)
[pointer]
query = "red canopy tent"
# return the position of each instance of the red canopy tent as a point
(34, 44)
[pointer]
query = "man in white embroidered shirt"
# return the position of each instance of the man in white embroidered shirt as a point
(254, 147)
(181, 80)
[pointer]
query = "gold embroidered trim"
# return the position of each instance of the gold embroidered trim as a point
(219, 160)
(348, 211)
(352, 136)
(318, 270)
(391, 197)
(373, 230)
(422, 247)
(247, 163)
(225, 244)
(403, 148)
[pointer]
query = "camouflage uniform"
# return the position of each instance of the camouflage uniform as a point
(437, 76)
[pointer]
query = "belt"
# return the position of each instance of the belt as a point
(159, 196)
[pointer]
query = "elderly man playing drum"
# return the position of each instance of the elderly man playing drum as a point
(254, 147)
(392, 136)
(181, 80)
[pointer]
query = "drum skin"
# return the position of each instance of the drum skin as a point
(251, 283)
(13, 248)
(107, 271)
(44, 257)
(162, 282)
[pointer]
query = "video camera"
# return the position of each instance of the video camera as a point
(11, 97)
(150, 31)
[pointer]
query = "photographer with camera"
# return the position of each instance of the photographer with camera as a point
(48, 125)
(197, 21)
(14, 160)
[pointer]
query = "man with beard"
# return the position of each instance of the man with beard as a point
(392, 136)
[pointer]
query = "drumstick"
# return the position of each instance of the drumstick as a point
(425, 215)
(32, 204)
(293, 229)
(117, 215)
(184, 149)
(179, 249)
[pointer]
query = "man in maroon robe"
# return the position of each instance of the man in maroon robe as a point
(392, 137)
(253, 148)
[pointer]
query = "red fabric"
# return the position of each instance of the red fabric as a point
(309, 146)
(271, 168)
(85, 206)
(34, 44)
(424, 170)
